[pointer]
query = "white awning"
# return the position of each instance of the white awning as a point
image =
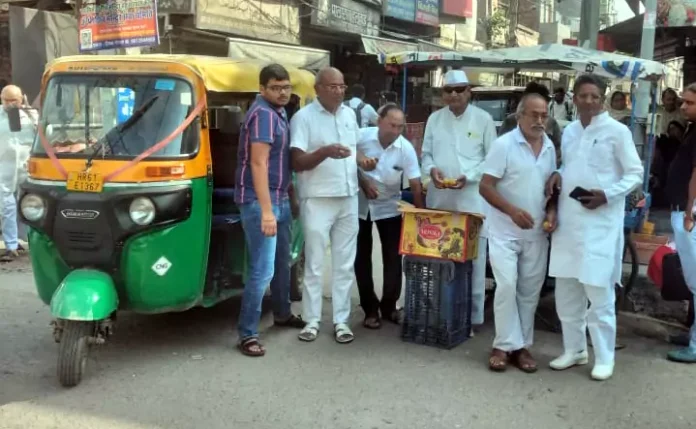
(380, 46)
(297, 56)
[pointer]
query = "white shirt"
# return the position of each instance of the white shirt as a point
(560, 112)
(368, 114)
(588, 244)
(396, 160)
(522, 177)
(14, 150)
(313, 127)
(458, 147)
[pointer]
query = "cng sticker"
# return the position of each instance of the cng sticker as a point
(161, 266)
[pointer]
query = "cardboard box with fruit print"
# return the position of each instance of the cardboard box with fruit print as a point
(439, 234)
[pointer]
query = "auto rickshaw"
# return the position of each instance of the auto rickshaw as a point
(129, 200)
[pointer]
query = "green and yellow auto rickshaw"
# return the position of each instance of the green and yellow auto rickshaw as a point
(129, 200)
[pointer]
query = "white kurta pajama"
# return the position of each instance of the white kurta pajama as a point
(518, 257)
(586, 250)
(328, 197)
(457, 146)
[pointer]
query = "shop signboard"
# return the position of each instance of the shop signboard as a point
(428, 12)
(404, 10)
(276, 21)
(461, 8)
(117, 24)
(346, 15)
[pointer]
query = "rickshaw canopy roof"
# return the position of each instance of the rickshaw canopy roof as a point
(549, 57)
(219, 74)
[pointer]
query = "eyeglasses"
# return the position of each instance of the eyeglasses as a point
(457, 89)
(337, 88)
(537, 116)
(279, 88)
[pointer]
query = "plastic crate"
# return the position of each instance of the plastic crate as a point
(437, 311)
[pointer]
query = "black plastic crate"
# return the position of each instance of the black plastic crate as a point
(438, 302)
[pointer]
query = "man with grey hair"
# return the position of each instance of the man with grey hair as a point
(324, 137)
(14, 154)
(514, 177)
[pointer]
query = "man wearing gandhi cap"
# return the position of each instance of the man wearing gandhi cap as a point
(457, 139)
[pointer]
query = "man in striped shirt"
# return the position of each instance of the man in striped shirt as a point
(263, 192)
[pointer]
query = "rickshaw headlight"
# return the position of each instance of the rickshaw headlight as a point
(142, 211)
(33, 207)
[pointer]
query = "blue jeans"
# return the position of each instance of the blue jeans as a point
(12, 228)
(686, 248)
(269, 263)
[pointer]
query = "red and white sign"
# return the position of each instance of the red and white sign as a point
(463, 8)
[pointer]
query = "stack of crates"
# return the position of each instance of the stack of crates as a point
(438, 303)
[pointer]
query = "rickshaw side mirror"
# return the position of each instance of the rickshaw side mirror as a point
(15, 120)
(230, 119)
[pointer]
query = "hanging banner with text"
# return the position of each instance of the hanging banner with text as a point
(117, 24)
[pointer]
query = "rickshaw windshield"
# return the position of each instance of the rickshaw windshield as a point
(499, 105)
(116, 117)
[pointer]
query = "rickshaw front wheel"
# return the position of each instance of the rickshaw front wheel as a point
(73, 350)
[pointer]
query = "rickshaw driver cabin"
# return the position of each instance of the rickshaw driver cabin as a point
(130, 197)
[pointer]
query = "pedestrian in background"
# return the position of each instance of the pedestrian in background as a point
(365, 114)
(378, 204)
(515, 174)
(262, 192)
(681, 192)
(14, 155)
(324, 137)
(456, 141)
(600, 167)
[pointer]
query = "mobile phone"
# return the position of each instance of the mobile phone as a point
(579, 192)
(15, 121)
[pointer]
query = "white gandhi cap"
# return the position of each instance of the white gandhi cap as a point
(455, 77)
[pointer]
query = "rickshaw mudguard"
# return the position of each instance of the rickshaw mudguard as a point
(85, 295)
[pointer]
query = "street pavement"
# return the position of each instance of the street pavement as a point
(182, 371)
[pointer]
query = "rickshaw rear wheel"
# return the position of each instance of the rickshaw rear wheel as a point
(73, 350)
(297, 278)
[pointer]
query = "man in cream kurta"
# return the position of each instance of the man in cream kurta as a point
(598, 155)
(456, 141)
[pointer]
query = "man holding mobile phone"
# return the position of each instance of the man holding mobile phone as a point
(323, 141)
(17, 131)
(599, 168)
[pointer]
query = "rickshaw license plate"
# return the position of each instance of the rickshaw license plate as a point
(85, 182)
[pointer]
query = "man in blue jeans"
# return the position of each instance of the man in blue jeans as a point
(263, 193)
(681, 192)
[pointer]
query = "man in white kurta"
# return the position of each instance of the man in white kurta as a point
(515, 175)
(455, 144)
(14, 154)
(598, 155)
(324, 136)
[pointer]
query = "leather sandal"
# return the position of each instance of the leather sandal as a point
(524, 361)
(498, 360)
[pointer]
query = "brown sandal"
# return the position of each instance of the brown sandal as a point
(523, 360)
(498, 360)
(252, 347)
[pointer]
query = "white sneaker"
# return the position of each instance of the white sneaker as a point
(602, 372)
(567, 360)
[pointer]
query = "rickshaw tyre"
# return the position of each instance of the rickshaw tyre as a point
(73, 351)
(297, 278)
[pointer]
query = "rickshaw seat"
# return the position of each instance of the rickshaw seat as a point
(226, 219)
